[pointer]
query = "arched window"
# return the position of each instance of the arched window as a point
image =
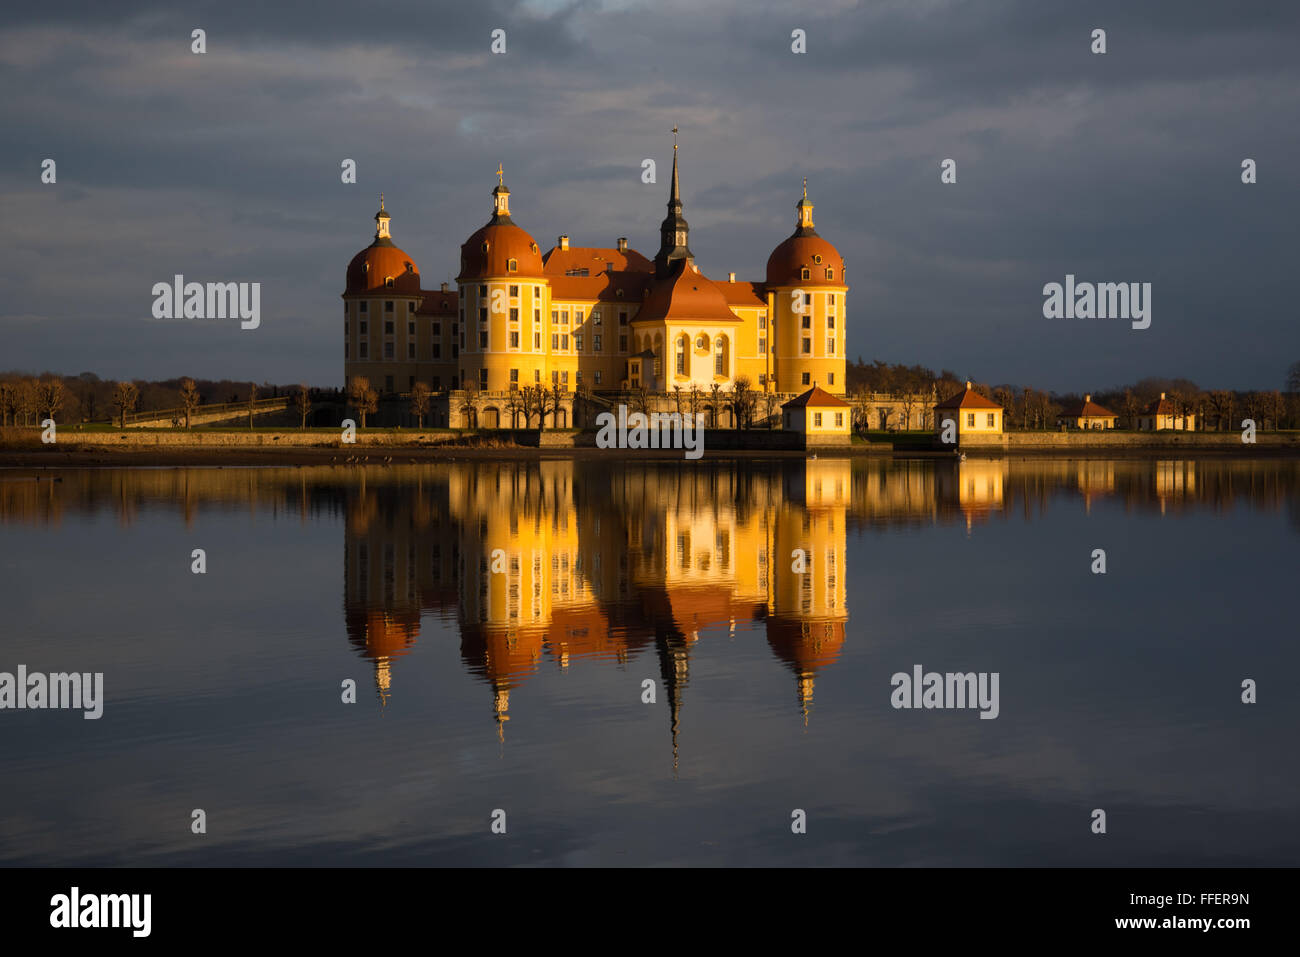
(720, 356)
(805, 274)
(389, 282)
(512, 265)
(681, 355)
(830, 273)
(702, 343)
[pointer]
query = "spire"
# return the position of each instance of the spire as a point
(501, 200)
(674, 232)
(805, 207)
(381, 223)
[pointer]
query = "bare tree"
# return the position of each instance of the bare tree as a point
(715, 392)
(469, 406)
(252, 402)
(742, 402)
(50, 396)
(302, 402)
(363, 398)
(1132, 406)
(517, 405)
(769, 407)
(125, 397)
(420, 396)
(8, 403)
(190, 399)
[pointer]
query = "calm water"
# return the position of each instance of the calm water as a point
(500, 620)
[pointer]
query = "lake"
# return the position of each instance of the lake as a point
(649, 662)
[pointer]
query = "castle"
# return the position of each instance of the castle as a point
(595, 319)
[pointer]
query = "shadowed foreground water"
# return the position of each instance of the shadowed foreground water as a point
(501, 620)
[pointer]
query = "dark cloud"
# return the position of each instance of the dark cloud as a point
(226, 166)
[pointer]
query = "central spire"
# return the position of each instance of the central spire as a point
(501, 200)
(674, 232)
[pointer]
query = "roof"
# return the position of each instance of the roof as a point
(1162, 406)
(818, 397)
(1086, 409)
(595, 259)
(967, 398)
(385, 261)
(749, 294)
(504, 241)
(435, 302)
(602, 286)
(798, 252)
(685, 294)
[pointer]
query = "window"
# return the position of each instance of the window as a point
(804, 274)
(830, 347)
(807, 347)
(595, 317)
(514, 314)
(437, 350)
(830, 273)
(702, 343)
(577, 341)
(830, 378)
(410, 305)
(577, 318)
(482, 379)
(839, 416)
(537, 316)
(437, 328)
(537, 341)
(622, 315)
(762, 347)
(762, 320)
(410, 350)
(830, 298)
(388, 350)
(596, 342)
(537, 292)
(807, 302)
(514, 292)
(455, 350)
(807, 321)
(991, 420)
(512, 265)
(482, 291)
(514, 340)
(363, 307)
(555, 377)
(345, 310)
(388, 327)
(830, 322)
(564, 378)
(364, 326)
(514, 378)
(555, 317)
(805, 378)
(388, 305)
(719, 357)
(410, 328)
(455, 328)
(597, 377)
(817, 420)
(970, 419)
(564, 317)
(365, 351)
(537, 375)
(389, 282)
(817, 258)
(622, 343)
(681, 356)
(564, 343)
(555, 342)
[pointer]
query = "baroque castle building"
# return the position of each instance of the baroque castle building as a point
(596, 318)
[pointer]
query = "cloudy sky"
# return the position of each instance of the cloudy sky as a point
(225, 166)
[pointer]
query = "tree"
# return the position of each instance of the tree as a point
(769, 407)
(1293, 378)
(125, 396)
(468, 405)
(516, 405)
(742, 402)
(190, 399)
(1221, 401)
(302, 402)
(27, 399)
(363, 398)
(420, 402)
(252, 402)
(715, 391)
(51, 395)
(8, 403)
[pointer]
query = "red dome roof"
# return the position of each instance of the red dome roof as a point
(504, 241)
(373, 266)
(807, 251)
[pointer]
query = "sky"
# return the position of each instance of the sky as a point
(225, 166)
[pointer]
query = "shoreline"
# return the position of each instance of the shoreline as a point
(380, 456)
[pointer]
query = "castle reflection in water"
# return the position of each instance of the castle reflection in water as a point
(551, 560)
(560, 560)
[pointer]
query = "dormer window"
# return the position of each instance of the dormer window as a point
(389, 282)
(817, 257)
(830, 273)
(533, 247)
(805, 274)
(484, 247)
(512, 265)
(409, 269)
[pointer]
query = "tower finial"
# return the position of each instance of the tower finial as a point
(674, 139)
(805, 187)
(501, 174)
(381, 202)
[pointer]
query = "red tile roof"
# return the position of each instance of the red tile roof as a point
(595, 259)
(816, 396)
(968, 398)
